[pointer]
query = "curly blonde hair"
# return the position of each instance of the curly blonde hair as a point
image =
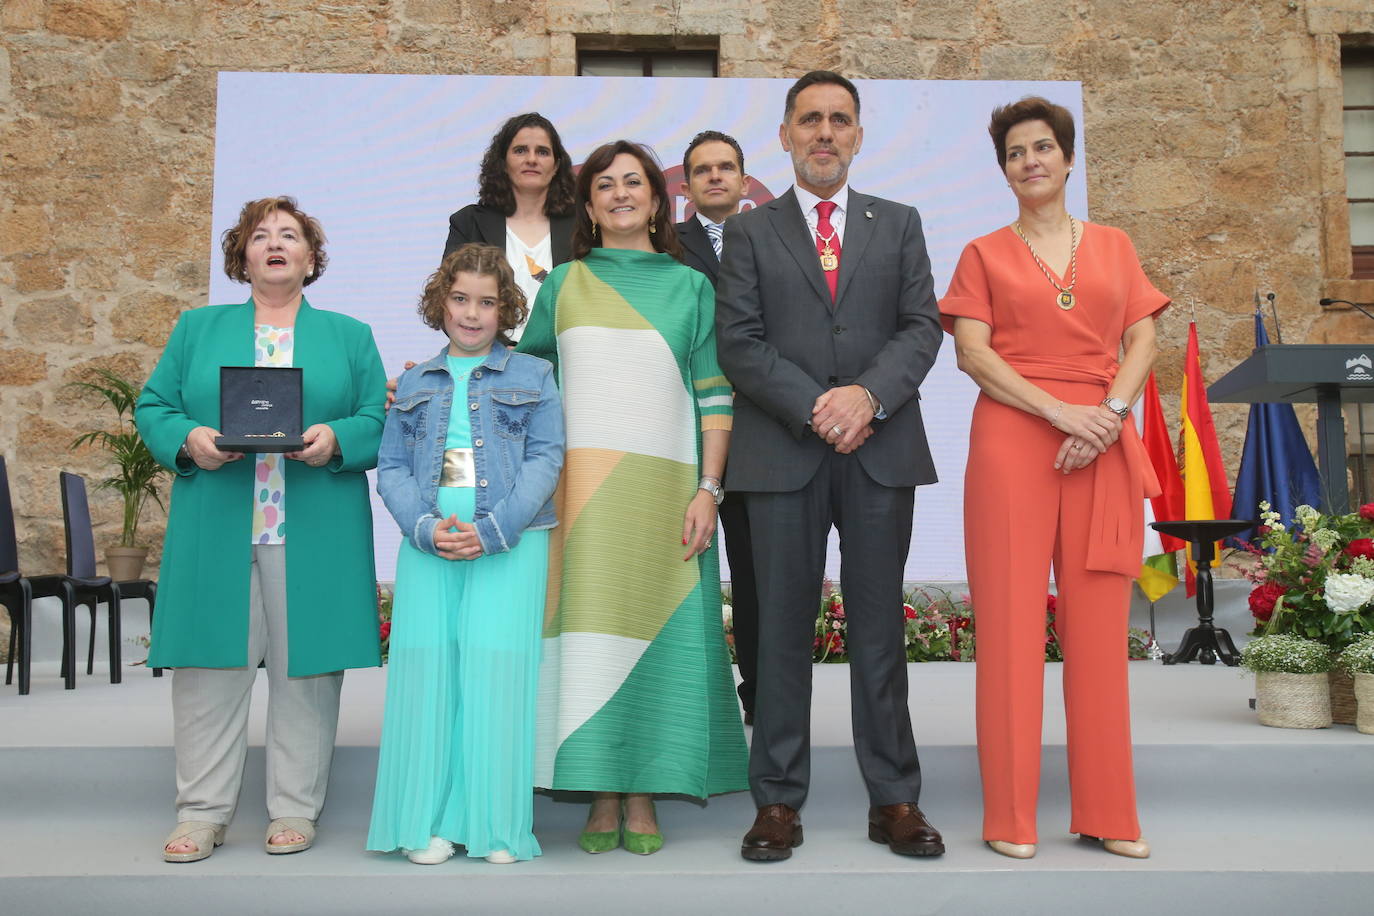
(235, 239)
(486, 261)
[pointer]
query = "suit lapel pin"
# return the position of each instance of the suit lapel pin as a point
(868, 213)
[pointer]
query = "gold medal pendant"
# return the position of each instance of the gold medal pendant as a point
(1065, 300)
(828, 260)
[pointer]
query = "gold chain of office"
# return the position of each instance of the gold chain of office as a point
(1065, 298)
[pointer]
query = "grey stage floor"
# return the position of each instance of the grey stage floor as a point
(1241, 817)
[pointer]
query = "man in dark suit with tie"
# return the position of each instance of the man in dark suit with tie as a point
(713, 167)
(826, 325)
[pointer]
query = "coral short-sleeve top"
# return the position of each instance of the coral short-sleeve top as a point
(998, 283)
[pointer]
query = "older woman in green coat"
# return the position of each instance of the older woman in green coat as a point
(268, 557)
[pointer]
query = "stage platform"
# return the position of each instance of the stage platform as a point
(1242, 819)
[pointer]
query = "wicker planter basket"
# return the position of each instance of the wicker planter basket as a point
(1293, 700)
(1364, 693)
(1342, 698)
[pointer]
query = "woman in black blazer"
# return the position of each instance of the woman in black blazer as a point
(524, 202)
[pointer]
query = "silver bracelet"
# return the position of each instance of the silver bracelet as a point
(1057, 411)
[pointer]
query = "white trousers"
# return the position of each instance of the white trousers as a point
(210, 716)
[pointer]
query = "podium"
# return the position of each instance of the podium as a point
(1327, 374)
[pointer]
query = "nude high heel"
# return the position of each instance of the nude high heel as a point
(1131, 849)
(1012, 850)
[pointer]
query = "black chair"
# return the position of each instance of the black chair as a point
(17, 592)
(89, 588)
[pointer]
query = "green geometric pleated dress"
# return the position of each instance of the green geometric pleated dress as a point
(635, 690)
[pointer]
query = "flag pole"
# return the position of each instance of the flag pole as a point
(1153, 650)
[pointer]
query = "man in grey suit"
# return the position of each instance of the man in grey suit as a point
(826, 325)
(713, 166)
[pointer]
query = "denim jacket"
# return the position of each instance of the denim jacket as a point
(517, 439)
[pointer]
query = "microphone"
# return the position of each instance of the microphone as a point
(1273, 309)
(1354, 305)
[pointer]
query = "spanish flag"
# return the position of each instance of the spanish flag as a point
(1168, 506)
(1205, 491)
(1159, 568)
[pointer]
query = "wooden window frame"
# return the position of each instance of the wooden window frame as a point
(645, 48)
(1361, 256)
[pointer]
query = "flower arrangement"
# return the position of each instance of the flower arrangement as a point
(1316, 579)
(829, 644)
(1054, 652)
(727, 618)
(938, 627)
(928, 634)
(1358, 657)
(1286, 654)
(384, 599)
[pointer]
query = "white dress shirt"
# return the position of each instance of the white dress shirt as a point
(707, 223)
(808, 202)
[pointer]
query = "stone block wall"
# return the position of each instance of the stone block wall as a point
(1213, 128)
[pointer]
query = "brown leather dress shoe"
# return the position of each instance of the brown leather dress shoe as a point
(905, 830)
(776, 832)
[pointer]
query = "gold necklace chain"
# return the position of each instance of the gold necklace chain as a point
(1065, 299)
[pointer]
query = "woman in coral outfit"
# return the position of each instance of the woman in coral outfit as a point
(1054, 319)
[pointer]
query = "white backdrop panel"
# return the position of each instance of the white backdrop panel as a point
(383, 160)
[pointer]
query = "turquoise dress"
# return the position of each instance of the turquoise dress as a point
(457, 752)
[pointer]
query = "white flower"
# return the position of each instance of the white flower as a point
(1363, 566)
(727, 614)
(1306, 516)
(1346, 592)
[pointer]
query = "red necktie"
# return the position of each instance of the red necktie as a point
(826, 231)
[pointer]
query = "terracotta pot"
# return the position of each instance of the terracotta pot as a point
(1342, 698)
(125, 563)
(1286, 700)
(1364, 693)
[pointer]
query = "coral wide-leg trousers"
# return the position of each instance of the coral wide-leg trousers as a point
(1021, 515)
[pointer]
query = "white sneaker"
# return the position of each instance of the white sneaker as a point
(439, 850)
(501, 857)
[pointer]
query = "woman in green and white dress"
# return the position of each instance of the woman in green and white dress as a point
(636, 692)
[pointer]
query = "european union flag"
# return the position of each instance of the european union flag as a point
(1276, 465)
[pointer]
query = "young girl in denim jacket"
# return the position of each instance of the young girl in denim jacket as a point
(468, 463)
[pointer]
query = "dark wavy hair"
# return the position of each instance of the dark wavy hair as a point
(235, 239)
(663, 238)
(1031, 108)
(493, 184)
(484, 260)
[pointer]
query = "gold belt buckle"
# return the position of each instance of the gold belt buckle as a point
(459, 470)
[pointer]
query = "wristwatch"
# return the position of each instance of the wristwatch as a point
(712, 486)
(1117, 406)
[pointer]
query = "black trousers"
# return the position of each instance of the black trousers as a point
(790, 531)
(744, 601)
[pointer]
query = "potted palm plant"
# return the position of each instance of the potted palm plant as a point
(1290, 680)
(137, 473)
(1358, 660)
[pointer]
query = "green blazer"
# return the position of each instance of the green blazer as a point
(202, 606)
